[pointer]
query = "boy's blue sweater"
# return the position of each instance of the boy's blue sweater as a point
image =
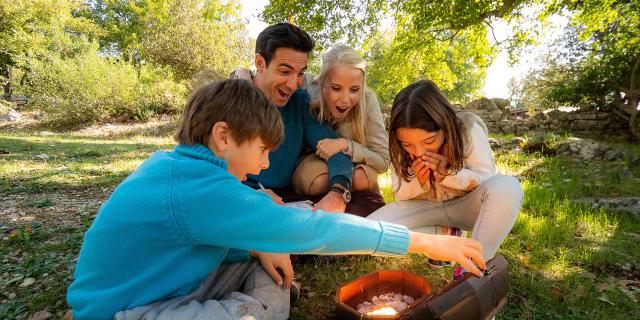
(301, 128)
(176, 219)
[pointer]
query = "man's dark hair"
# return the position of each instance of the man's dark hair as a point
(243, 107)
(282, 35)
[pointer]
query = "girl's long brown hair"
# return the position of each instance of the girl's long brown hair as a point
(421, 105)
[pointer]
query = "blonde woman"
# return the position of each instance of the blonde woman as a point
(339, 95)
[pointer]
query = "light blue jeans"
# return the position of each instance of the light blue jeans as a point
(489, 211)
(235, 291)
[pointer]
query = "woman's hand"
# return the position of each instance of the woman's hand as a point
(449, 248)
(276, 198)
(326, 148)
(242, 73)
(271, 262)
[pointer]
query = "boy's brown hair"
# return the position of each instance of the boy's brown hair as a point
(237, 102)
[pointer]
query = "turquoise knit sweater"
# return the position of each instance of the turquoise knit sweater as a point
(301, 128)
(177, 218)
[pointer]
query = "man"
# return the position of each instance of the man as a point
(282, 53)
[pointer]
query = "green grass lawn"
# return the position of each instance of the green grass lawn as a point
(567, 261)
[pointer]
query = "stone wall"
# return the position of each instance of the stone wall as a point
(592, 124)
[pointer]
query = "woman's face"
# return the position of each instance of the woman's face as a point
(342, 90)
(417, 142)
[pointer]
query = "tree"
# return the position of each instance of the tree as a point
(187, 35)
(38, 29)
(442, 40)
(597, 61)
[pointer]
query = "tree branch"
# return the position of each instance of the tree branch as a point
(619, 114)
(493, 33)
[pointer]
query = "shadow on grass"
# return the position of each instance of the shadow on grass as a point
(49, 163)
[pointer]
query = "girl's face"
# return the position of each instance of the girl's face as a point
(342, 90)
(417, 142)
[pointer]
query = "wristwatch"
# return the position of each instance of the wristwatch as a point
(342, 191)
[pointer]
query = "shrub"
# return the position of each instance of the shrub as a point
(90, 88)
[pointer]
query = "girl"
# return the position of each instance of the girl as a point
(444, 172)
(340, 96)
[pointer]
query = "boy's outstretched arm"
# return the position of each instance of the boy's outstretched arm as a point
(449, 248)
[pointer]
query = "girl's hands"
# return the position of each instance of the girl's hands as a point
(467, 252)
(271, 262)
(326, 148)
(431, 163)
(421, 170)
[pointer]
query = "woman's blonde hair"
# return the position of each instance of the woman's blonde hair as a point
(341, 54)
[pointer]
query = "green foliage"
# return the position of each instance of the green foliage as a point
(88, 88)
(597, 62)
(458, 66)
(33, 29)
(443, 41)
(187, 36)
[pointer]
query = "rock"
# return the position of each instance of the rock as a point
(494, 143)
(12, 116)
(27, 282)
(501, 103)
(625, 175)
(628, 204)
(613, 155)
(41, 156)
(518, 140)
(41, 315)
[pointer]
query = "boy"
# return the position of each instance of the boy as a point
(173, 240)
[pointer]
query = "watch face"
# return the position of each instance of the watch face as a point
(347, 196)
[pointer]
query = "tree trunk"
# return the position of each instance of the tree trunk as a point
(7, 85)
(633, 119)
(633, 93)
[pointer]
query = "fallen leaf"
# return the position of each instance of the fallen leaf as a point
(601, 287)
(41, 315)
(604, 298)
(27, 282)
(555, 292)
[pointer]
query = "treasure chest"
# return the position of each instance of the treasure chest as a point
(468, 298)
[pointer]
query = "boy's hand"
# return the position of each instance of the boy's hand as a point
(331, 202)
(276, 198)
(449, 248)
(271, 262)
(326, 148)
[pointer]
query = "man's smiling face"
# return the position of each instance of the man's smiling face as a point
(282, 76)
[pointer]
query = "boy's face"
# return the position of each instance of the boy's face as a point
(247, 158)
(282, 76)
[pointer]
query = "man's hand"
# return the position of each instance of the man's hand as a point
(326, 148)
(449, 248)
(271, 262)
(277, 199)
(331, 202)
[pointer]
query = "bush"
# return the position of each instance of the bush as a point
(90, 88)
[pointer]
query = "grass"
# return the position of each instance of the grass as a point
(567, 261)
